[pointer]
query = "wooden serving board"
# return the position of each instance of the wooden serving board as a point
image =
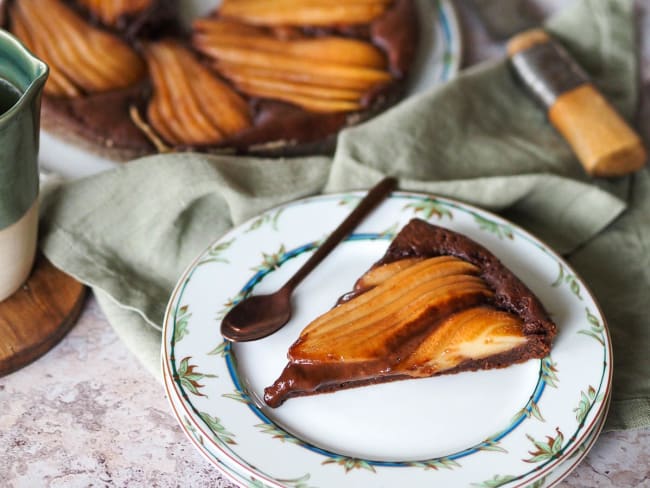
(38, 315)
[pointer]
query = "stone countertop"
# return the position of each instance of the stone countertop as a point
(87, 414)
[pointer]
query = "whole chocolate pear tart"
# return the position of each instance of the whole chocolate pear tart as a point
(268, 77)
(436, 303)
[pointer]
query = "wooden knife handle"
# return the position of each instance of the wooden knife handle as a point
(603, 142)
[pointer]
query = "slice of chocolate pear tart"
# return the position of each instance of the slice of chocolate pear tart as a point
(437, 302)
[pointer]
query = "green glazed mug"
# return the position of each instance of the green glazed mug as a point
(22, 77)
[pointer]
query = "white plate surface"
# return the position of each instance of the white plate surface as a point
(507, 427)
(438, 60)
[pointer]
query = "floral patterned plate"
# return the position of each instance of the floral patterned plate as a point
(510, 427)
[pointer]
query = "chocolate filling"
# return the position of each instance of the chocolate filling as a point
(421, 239)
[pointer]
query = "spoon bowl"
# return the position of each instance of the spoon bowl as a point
(257, 316)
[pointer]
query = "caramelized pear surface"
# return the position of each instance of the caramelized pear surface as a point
(190, 105)
(405, 305)
(322, 74)
(301, 12)
(82, 59)
(111, 11)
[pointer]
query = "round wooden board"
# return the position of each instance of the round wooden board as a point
(38, 315)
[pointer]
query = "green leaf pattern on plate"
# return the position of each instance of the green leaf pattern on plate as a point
(350, 463)
(595, 330)
(530, 410)
(221, 350)
(229, 304)
(537, 484)
(214, 254)
(182, 321)
(436, 464)
(255, 483)
(271, 261)
(352, 200)
(267, 218)
(547, 449)
(549, 372)
(278, 433)
(300, 482)
(496, 481)
(566, 277)
(491, 445)
(587, 399)
(239, 396)
(218, 430)
(500, 230)
(429, 208)
(193, 430)
(189, 378)
(296, 482)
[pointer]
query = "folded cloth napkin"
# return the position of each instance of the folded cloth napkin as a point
(129, 233)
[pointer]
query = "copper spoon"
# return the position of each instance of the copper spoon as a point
(258, 316)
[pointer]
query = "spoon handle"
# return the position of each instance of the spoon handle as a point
(376, 194)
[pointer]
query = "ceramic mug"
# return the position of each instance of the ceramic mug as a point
(22, 77)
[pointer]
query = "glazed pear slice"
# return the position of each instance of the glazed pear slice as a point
(326, 74)
(413, 276)
(111, 11)
(332, 49)
(317, 101)
(190, 105)
(57, 83)
(472, 334)
(82, 58)
(379, 274)
(412, 299)
(227, 27)
(301, 13)
(241, 69)
(356, 76)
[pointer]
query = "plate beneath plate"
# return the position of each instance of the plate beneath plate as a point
(548, 480)
(438, 60)
(506, 427)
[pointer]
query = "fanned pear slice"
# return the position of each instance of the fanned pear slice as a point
(333, 49)
(190, 104)
(436, 303)
(472, 334)
(111, 11)
(300, 13)
(322, 74)
(82, 58)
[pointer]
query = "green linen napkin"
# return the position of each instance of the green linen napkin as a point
(129, 233)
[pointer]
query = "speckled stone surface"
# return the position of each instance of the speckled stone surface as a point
(87, 414)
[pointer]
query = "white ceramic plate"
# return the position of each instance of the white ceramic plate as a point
(438, 60)
(507, 427)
